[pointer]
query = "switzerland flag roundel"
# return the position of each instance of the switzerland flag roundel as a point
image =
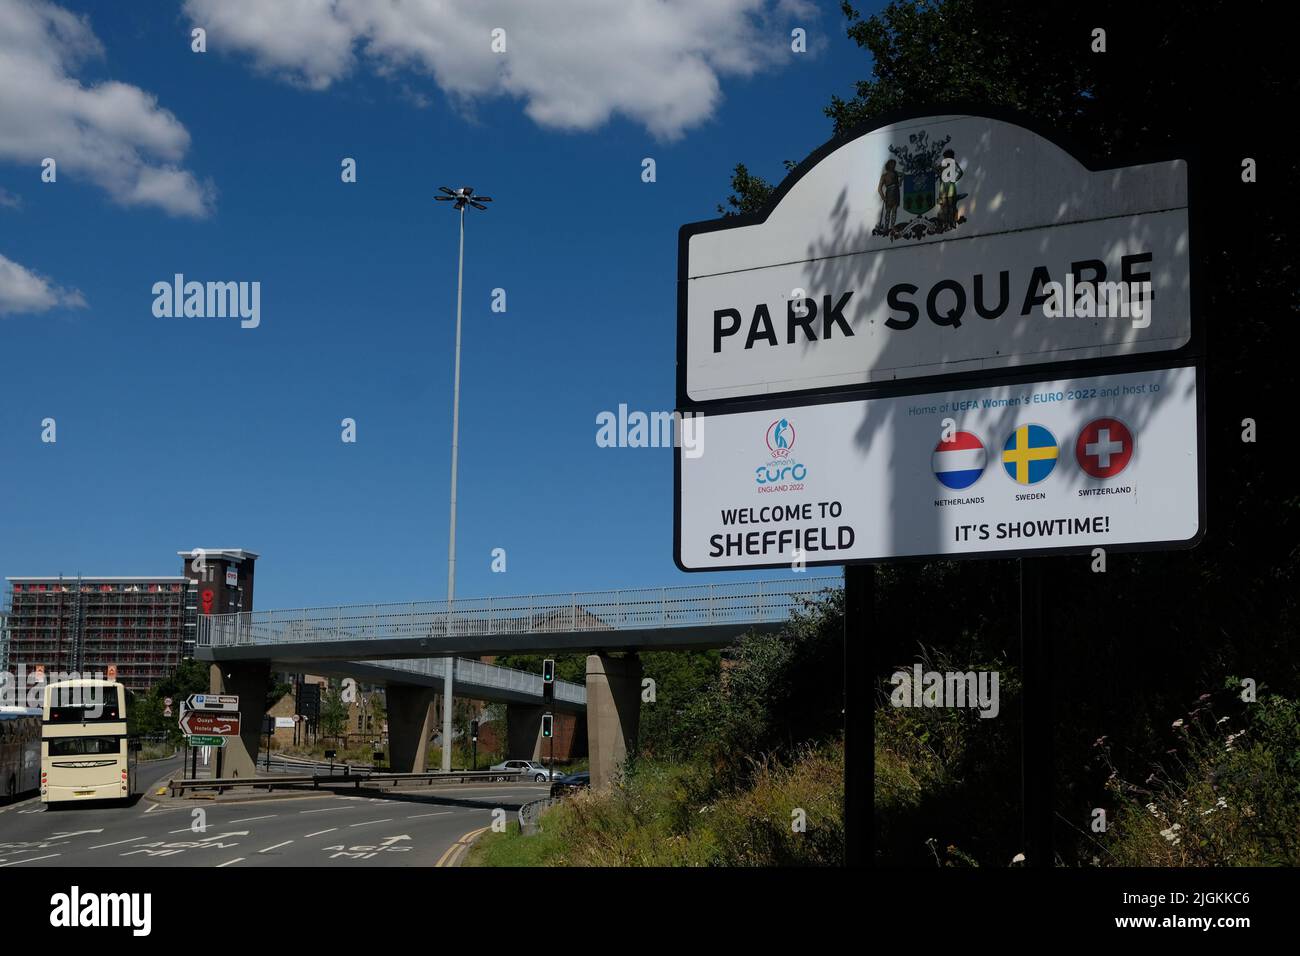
(1104, 447)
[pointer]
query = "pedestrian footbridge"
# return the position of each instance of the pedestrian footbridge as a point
(409, 647)
(667, 618)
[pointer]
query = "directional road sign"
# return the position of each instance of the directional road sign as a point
(223, 702)
(204, 722)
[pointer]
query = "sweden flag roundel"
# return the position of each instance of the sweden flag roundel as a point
(1030, 454)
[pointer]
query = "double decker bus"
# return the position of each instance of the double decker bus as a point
(20, 750)
(85, 752)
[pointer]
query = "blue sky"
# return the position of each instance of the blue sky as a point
(182, 432)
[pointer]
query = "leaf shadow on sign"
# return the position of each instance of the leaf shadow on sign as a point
(836, 264)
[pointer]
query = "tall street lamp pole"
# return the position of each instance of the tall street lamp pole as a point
(461, 198)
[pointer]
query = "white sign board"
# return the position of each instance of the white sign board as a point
(284, 722)
(220, 702)
(232, 577)
(888, 259)
(1104, 461)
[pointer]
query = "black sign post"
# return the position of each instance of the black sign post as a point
(268, 728)
(1036, 727)
(548, 698)
(859, 731)
(548, 731)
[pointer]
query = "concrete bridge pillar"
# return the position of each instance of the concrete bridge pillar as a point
(524, 731)
(411, 723)
(613, 713)
(250, 680)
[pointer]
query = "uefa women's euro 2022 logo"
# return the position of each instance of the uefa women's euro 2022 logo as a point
(781, 472)
(922, 177)
(780, 438)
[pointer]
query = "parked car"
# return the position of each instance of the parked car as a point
(527, 768)
(569, 782)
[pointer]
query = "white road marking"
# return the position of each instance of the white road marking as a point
(438, 814)
(238, 859)
(368, 822)
(276, 847)
(32, 859)
(325, 810)
(250, 819)
(319, 832)
(118, 843)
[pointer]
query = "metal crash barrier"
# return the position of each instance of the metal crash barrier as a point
(221, 784)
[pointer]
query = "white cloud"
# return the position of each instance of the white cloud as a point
(112, 134)
(9, 200)
(22, 290)
(574, 63)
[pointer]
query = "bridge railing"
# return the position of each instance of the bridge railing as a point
(741, 602)
(488, 675)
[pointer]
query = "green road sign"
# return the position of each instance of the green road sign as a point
(206, 741)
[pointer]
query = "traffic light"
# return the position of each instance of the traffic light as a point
(547, 721)
(548, 680)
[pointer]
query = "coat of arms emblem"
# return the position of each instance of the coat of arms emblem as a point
(922, 177)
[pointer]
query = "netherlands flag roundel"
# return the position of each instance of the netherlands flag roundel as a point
(960, 462)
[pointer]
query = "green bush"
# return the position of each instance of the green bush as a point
(656, 817)
(1230, 797)
(947, 781)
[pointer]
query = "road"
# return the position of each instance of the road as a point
(418, 827)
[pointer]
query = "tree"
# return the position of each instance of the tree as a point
(275, 692)
(145, 711)
(570, 667)
(333, 711)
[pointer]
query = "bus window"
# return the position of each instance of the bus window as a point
(106, 712)
(79, 746)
